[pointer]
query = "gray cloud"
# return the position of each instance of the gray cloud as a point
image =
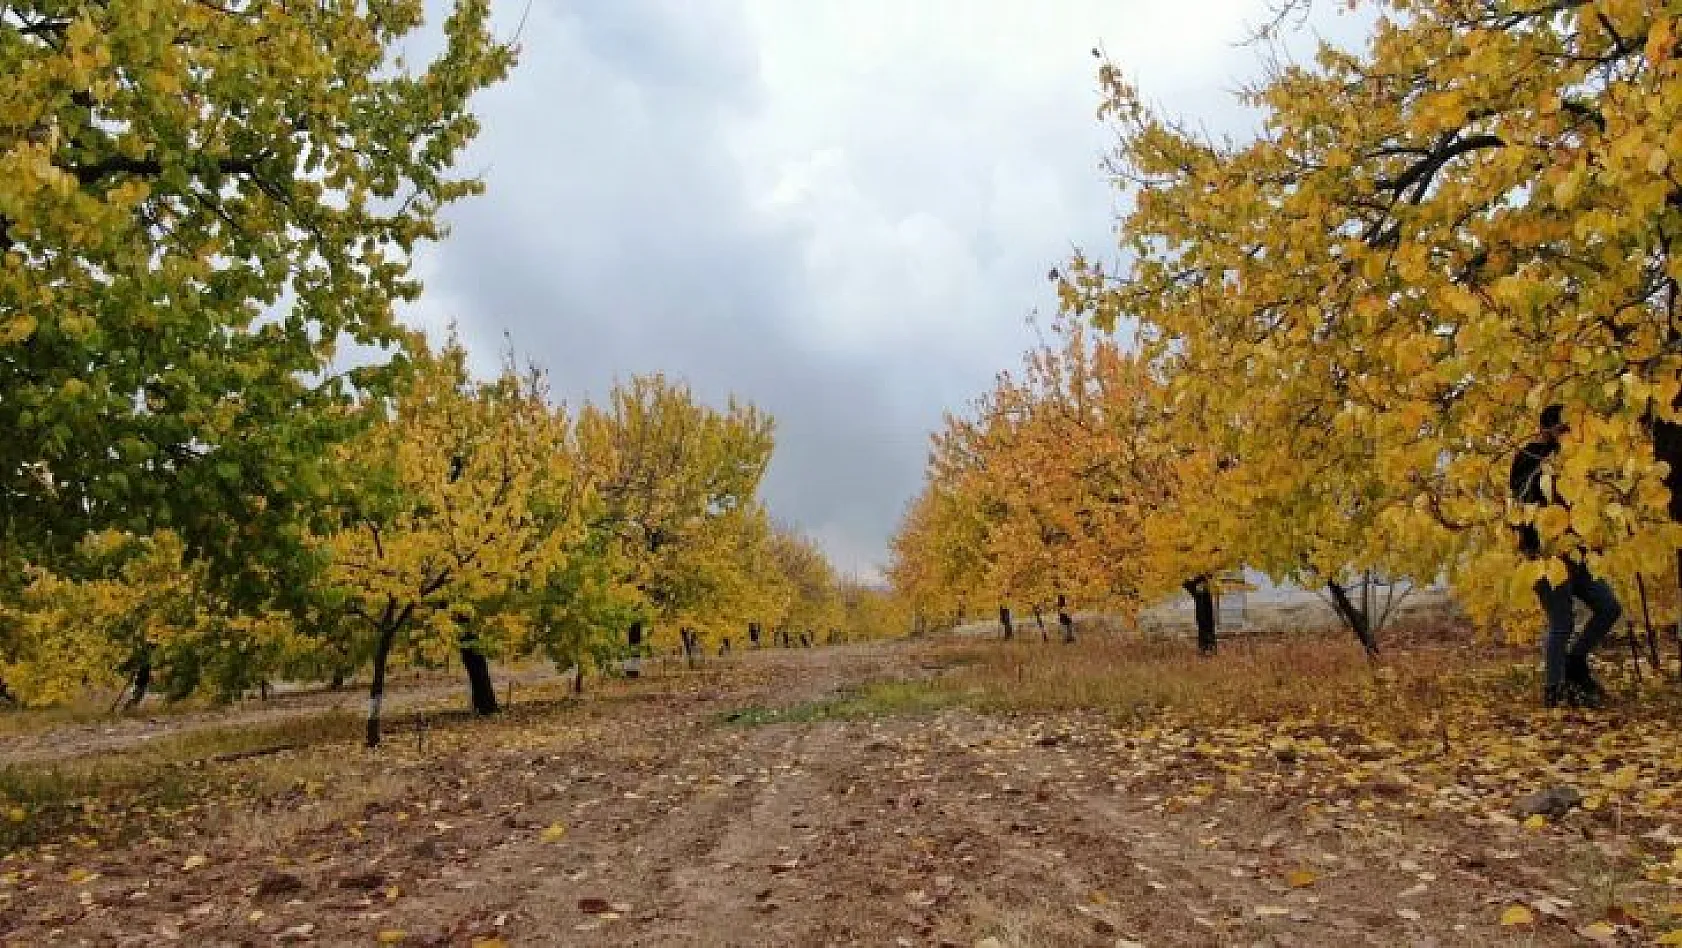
(840, 211)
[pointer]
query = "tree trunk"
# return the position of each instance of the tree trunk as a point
(1358, 621)
(1039, 619)
(1676, 631)
(479, 685)
(1203, 605)
(142, 678)
(376, 690)
(1647, 623)
(578, 679)
(1004, 621)
(338, 680)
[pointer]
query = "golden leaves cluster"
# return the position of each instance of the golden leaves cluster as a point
(1431, 237)
(1059, 483)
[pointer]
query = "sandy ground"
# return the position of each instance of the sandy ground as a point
(654, 819)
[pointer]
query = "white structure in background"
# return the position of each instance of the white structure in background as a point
(1229, 609)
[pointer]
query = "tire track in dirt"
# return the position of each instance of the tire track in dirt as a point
(679, 826)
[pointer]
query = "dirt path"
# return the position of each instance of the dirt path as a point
(655, 820)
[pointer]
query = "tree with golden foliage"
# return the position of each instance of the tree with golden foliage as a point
(1431, 238)
(471, 497)
(1067, 487)
(678, 484)
(812, 604)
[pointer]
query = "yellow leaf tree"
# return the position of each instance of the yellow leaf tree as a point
(1430, 239)
(813, 600)
(472, 499)
(1068, 486)
(678, 484)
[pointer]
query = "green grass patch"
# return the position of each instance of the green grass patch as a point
(881, 699)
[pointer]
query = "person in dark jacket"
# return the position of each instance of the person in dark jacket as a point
(1568, 678)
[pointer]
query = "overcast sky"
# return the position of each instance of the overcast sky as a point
(841, 210)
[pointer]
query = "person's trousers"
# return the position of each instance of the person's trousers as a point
(1604, 611)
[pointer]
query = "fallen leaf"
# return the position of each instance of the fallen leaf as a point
(1411, 915)
(391, 936)
(492, 942)
(554, 832)
(1672, 937)
(1535, 821)
(1271, 911)
(195, 861)
(1599, 931)
(1518, 915)
(1301, 878)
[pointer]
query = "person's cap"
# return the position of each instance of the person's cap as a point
(1553, 416)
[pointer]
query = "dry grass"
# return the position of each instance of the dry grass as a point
(42, 801)
(1406, 691)
(88, 710)
(116, 794)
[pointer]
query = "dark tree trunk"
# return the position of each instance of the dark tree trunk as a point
(1005, 623)
(1667, 446)
(338, 681)
(1039, 619)
(376, 690)
(578, 679)
(1647, 623)
(142, 678)
(479, 685)
(1065, 620)
(1358, 621)
(1634, 652)
(1676, 631)
(1203, 605)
